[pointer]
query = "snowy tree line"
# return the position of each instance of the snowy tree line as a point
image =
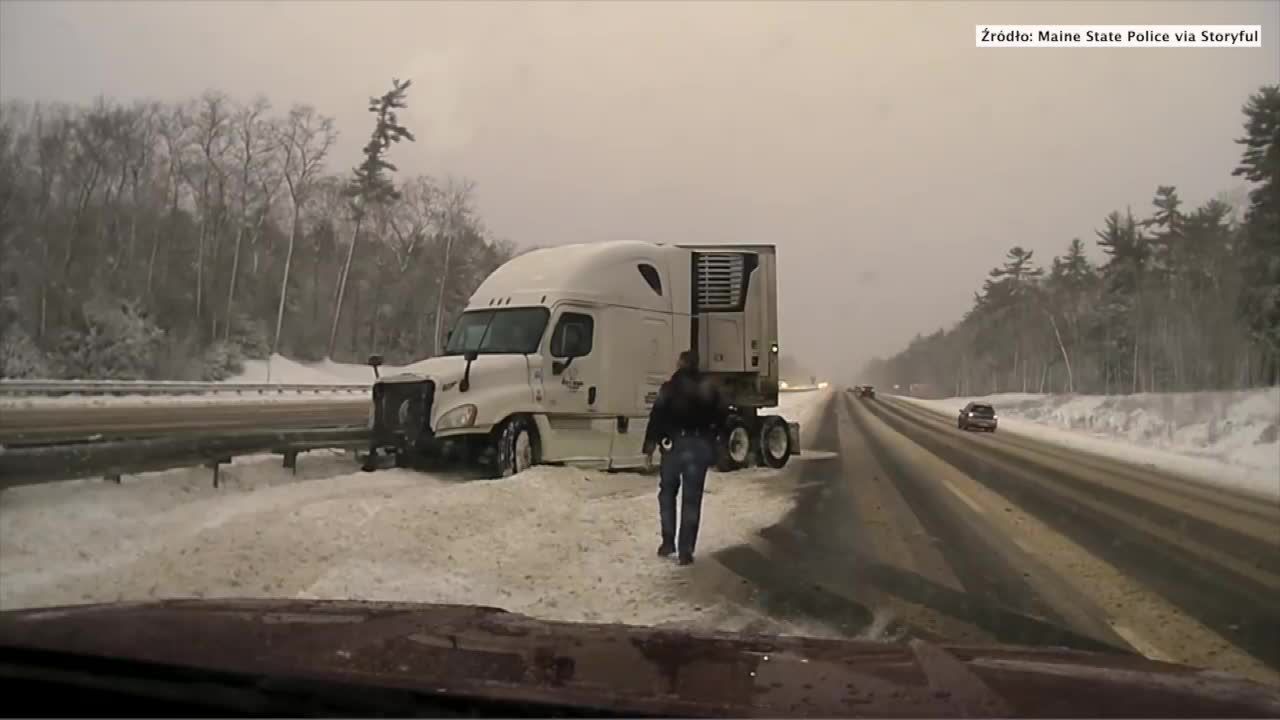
(1187, 298)
(158, 240)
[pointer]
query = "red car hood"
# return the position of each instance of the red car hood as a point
(492, 654)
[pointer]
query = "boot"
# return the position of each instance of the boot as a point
(685, 559)
(666, 548)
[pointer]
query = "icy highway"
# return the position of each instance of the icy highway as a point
(996, 537)
(892, 524)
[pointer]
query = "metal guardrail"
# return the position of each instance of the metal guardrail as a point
(55, 463)
(59, 423)
(147, 387)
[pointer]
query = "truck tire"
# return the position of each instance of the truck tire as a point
(517, 446)
(735, 448)
(774, 442)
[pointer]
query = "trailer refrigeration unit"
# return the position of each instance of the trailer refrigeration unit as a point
(560, 353)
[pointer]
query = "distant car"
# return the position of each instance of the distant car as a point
(977, 416)
(864, 391)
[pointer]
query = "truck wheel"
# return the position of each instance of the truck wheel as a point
(517, 446)
(775, 441)
(733, 451)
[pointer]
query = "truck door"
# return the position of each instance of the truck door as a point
(647, 361)
(575, 373)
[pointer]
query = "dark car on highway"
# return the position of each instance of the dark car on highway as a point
(865, 391)
(977, 416)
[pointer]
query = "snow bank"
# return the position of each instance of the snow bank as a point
(805, 408)
(292, 372)
(1229, 438)
(556, 543)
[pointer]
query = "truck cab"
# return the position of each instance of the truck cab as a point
(560, 353)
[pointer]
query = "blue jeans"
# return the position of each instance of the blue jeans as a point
(685, 464)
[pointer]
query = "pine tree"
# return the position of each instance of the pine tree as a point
(371, 186)
(1166, 241)
(1260, 164)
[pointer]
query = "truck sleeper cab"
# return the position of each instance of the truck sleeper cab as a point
(559, 355)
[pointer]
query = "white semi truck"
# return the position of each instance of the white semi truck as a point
(560, 353)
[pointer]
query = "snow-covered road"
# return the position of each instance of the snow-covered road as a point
(1230, 439)
(556, 543)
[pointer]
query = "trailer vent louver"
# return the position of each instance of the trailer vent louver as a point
(720, 280)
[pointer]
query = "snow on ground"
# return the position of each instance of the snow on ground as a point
(1225, 438)
(283, 371)
(556, 543)
(804, 407)
(292, 372)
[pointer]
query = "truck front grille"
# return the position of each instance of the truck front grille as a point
(402, 409)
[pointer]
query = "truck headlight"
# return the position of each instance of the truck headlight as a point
(459, 417)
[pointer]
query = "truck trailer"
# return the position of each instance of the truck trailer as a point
(560, 353)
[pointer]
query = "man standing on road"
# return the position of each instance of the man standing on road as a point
(689, 413)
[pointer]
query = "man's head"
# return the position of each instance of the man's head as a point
(688, 361)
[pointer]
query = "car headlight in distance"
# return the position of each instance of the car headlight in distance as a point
(459, 417)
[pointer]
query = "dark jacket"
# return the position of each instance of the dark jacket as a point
(688, 402)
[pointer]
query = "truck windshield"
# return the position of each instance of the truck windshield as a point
(517, 330)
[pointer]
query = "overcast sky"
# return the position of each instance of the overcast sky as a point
(891, 162)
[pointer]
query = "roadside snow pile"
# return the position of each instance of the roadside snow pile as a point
(804, 408)
(1238, 431)
(556, 543)
(292, 372)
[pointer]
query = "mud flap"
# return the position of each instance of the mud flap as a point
(793, 429)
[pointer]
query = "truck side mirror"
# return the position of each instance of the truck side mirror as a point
(465, 384)
(375, 361)
(559, 366)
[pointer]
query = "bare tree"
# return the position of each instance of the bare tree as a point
(90, 136)
(253, 148)
(175, 129)
(212, 121)
(413, 221)
(305, 141)
(52, 128)
(457, 216)
(140, 161)
(131, 210)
